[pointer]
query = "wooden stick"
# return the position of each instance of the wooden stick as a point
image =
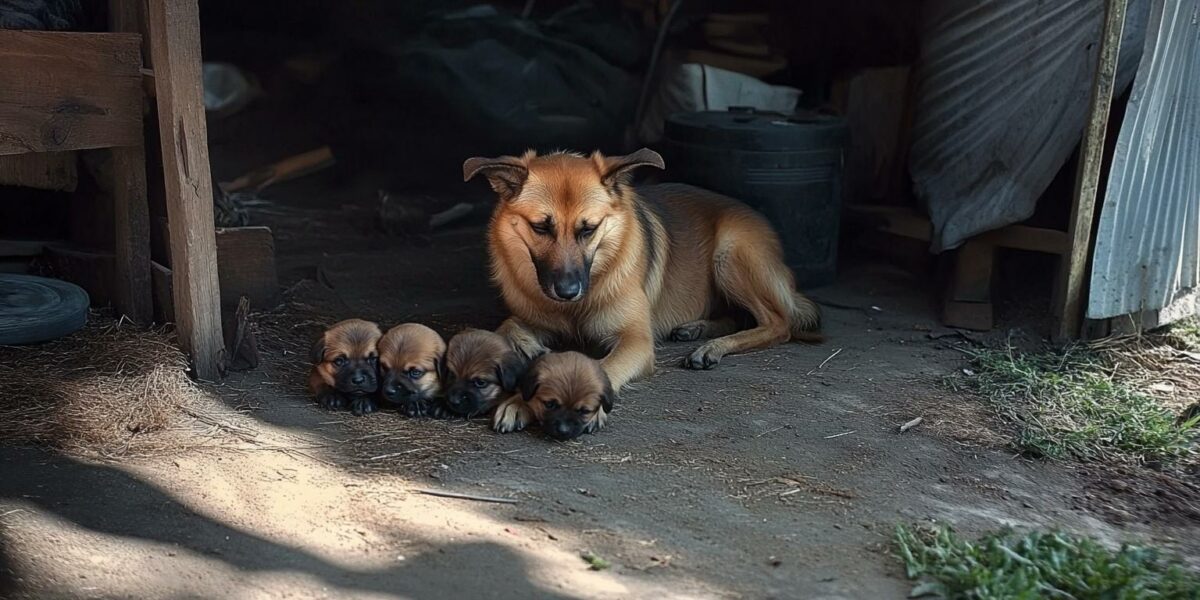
(838, 435)
(1069, 293)
(288, 168)
(459, 496)
(911, 424)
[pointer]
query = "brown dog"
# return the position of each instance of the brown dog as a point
(410, 367)
(481, 371)
(345, 359)
(567, 392)
(581, 256)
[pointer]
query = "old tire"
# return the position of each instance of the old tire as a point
(37, 309)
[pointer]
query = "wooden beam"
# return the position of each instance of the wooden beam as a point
(131, 214)
(174, 27)
(69, 91)
(1072, 272)
(55, 171)
(246, 266)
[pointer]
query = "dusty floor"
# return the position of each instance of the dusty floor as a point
(779, 475)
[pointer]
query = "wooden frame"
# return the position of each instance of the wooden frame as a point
(68, 91)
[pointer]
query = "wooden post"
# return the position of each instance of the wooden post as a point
(174, 27)
(1069, 292)
(131, 208)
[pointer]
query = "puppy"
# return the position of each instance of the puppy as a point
(410, 367)
(345, 359)
(567, 392)
(481, 371)
(580, 254)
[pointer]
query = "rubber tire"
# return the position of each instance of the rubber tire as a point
(38, 309)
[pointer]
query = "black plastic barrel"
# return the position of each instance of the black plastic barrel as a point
(789, 168)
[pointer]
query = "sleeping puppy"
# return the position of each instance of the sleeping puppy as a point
(567, 392)
(481, 371)
(344, 362)
(410, 365)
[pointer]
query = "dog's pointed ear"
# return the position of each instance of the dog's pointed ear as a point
(619, 169)
(609, 397)
(317, 353)
(510, 369)
(506, 174)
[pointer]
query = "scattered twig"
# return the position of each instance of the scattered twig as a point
(474, 497)
(911, 424)
(770, 431)
(395, 454)
(838, 435)
(789, 492)
(826, 361)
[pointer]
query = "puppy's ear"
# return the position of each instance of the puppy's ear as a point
(317, 353)
(616, 170)
(609, 397)
(439, 365)
(528, 384)
(506, 174)
(510, 369)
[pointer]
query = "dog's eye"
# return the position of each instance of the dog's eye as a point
(586, 231)
(480, 383)
(415, 373)
(584, 411)
(340, 361)
(374, 360)
(543, 228)
(551, 404)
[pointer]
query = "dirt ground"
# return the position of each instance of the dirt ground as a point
(781, 474)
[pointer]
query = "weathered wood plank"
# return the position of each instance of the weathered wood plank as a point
(174, 26)
(246, 266)
(131, 213)
(1068, 294)
(69, 91)
(56, 171)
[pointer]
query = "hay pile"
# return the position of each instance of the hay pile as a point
(1164, 365)
(97, 391)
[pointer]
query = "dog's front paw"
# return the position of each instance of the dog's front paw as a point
(413, 407)
(512, 415)
(363, 405)
(705, 357)
(331, 401)
(436, 409)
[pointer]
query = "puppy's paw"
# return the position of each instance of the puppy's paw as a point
(413, 407)
(331, 401)
(705, 357)
(523, 341)
(688, 332)
(435, 409)
(363, 405)
(512, 415)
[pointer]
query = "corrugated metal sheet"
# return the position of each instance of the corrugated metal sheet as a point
(1003, 90)
(1148, 242)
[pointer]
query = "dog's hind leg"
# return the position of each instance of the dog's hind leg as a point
(752, 276)
(703, 329)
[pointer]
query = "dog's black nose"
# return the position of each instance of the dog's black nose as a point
(358, 378)
(562, 430)
(391, 391)
(568, 290)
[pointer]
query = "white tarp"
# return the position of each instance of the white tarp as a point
(1002, 97)
(1148, 241)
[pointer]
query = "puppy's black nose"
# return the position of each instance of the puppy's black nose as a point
(391, 391)
(358, 378)
(568, 289)
(562, 430)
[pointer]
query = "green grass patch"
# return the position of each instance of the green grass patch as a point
(1036, 565)
(1065, 404)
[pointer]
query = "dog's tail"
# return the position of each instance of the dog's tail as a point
(806, 319)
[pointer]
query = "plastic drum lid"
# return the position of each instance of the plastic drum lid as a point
(750, 130)
(37, 309)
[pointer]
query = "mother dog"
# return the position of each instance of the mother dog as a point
(582, 256)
